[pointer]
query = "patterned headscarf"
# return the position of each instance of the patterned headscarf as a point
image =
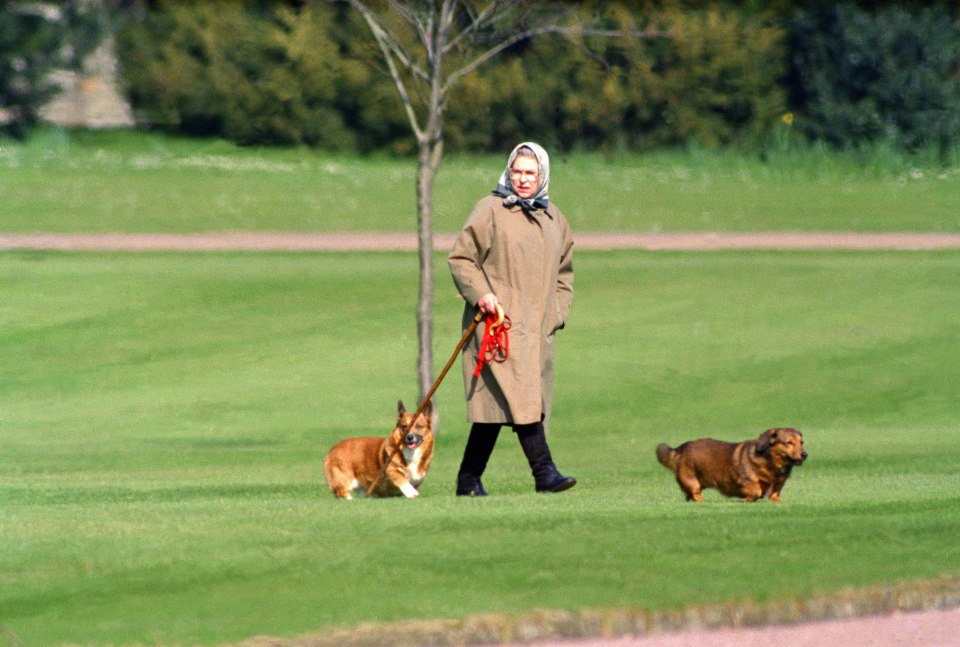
(540, 199)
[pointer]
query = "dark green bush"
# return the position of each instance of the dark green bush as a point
(255, 74)
(890, 76)
(262, 72)
(710, 76)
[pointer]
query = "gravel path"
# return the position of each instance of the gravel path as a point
(355, 241)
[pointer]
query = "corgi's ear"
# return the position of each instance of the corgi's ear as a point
(428, 411)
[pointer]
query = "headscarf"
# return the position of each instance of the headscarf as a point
(540, 199)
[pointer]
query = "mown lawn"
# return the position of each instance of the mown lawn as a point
(163, 418)
(67, 181)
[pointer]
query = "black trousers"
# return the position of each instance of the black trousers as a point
(483, 437)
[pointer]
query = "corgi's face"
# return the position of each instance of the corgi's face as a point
(410, 433)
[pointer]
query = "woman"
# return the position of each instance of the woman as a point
(515, 252)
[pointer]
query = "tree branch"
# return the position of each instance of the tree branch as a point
(380, 35)
(486, 16)
(384, 39)
(539, 31)
(410, 16)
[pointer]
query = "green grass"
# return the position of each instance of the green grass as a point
(164, 418)
(65, 181)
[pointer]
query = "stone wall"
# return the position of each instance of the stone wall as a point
(91, 98)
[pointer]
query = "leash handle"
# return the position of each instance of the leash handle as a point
(500, 317)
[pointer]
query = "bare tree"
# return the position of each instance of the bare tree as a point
(427, 47)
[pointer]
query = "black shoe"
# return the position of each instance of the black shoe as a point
(469, 485)
(547, 478)
(480, 444)
(556, 483)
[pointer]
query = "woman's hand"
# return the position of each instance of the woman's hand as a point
(488, 304)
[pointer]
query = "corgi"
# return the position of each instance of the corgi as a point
(391, 466)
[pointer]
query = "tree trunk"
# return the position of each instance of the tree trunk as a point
(430, 155)
(426, 174)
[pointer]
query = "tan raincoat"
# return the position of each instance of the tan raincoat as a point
(527, 262)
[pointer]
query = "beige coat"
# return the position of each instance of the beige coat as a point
(527, 262)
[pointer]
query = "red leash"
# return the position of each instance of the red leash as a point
(495, 345)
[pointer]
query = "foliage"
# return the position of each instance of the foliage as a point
(163, 486)
(255, 73)
(720, 75)
(36, 39)
(708, 75)
(857, 76)
(366, 97)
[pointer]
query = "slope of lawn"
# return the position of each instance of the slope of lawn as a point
(163, 419)
(77, 181)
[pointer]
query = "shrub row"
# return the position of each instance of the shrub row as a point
(266, 73)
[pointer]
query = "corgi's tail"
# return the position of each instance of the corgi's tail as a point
(667, 456)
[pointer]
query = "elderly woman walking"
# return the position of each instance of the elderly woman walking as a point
(515, 253)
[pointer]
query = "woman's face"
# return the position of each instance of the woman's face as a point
(525, 176)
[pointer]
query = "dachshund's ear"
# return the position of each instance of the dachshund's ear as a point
(400, 409)
(765, 440)
(428, 411)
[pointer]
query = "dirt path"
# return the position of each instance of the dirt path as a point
(356, 241)
(919, 629)
(921, 614)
